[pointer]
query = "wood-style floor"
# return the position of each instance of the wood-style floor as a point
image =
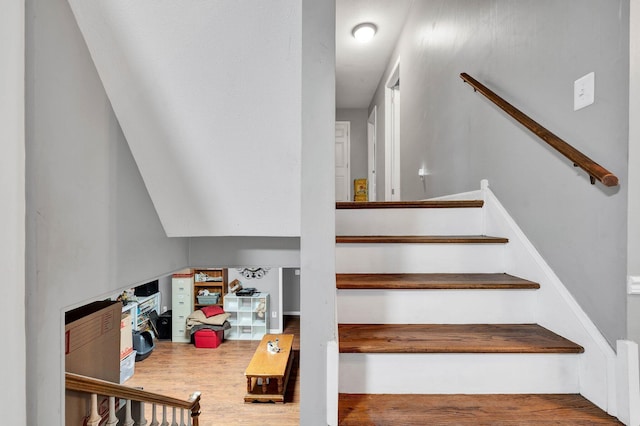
(467, 410)
(179, 369)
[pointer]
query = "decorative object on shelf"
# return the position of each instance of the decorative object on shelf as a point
(203, 277)
(234, 286)
(260, 309)
(250, 273)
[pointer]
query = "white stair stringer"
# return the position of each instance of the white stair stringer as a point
(417, 258)
(458, 373)
(436, 306)
(409, 221)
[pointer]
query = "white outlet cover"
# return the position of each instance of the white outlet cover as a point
(584, 91)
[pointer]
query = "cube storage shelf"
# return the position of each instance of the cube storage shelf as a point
(249, 316)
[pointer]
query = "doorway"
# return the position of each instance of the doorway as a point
(372, 123)
(343, 152)
(392, 135)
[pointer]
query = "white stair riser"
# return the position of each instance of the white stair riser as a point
(464, 221)
(459, 373)
(436, 306)
(416, 258)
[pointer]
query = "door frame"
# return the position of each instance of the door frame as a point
(348, 149)
(392, 137)
(372, 124)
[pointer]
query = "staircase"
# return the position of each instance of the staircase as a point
(433, 331)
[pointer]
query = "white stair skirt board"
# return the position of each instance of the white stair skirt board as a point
(436, 306)
(460, 221)
(459, 373)
(415, 258)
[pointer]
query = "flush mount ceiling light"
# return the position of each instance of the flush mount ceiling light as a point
(364, 32)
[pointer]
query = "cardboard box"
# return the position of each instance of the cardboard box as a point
(92, 348)
(207, 338)
(126, 335)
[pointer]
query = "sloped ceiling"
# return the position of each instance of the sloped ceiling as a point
(208, 96)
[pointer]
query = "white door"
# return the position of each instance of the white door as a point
(371, 152)
(343, 175)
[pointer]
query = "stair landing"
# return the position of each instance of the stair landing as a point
(521, 410)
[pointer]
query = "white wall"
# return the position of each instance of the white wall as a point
(12, 238)
(530, 52)
(208, 96)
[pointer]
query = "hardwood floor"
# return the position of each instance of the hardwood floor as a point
(490, 410)
(179, 369)
(452, 338)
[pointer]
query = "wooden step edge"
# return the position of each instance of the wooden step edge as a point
(433, 281)
(453, 339)
(467, 409)
(425, 204)
(420, 239)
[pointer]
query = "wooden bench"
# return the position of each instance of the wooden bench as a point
(268, 373)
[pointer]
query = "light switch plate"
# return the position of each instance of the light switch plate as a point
(584, 91)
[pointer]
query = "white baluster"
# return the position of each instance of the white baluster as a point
(189, 418)
(154, 420)
(113, 420)
(142, 421)
(128, 420)
(164, 416)
(174, 423)
(182, 417)
(94, 417)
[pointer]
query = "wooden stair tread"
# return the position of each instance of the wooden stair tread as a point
(512, 409)
(452, 338)
(428, 204)
(432, 281)
(422, 239)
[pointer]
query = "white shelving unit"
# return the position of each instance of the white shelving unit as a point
(246, 321)
(140, 309)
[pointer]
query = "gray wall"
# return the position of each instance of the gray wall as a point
(358, 158)
(91, 226)
(290, 290)
(530, 52)
(633, 268)
(12, 214)
(317, 239)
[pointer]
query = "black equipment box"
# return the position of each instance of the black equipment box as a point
(163, 325)
(146, 289)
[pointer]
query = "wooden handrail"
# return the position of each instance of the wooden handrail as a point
(77, 382)
(595, 170)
